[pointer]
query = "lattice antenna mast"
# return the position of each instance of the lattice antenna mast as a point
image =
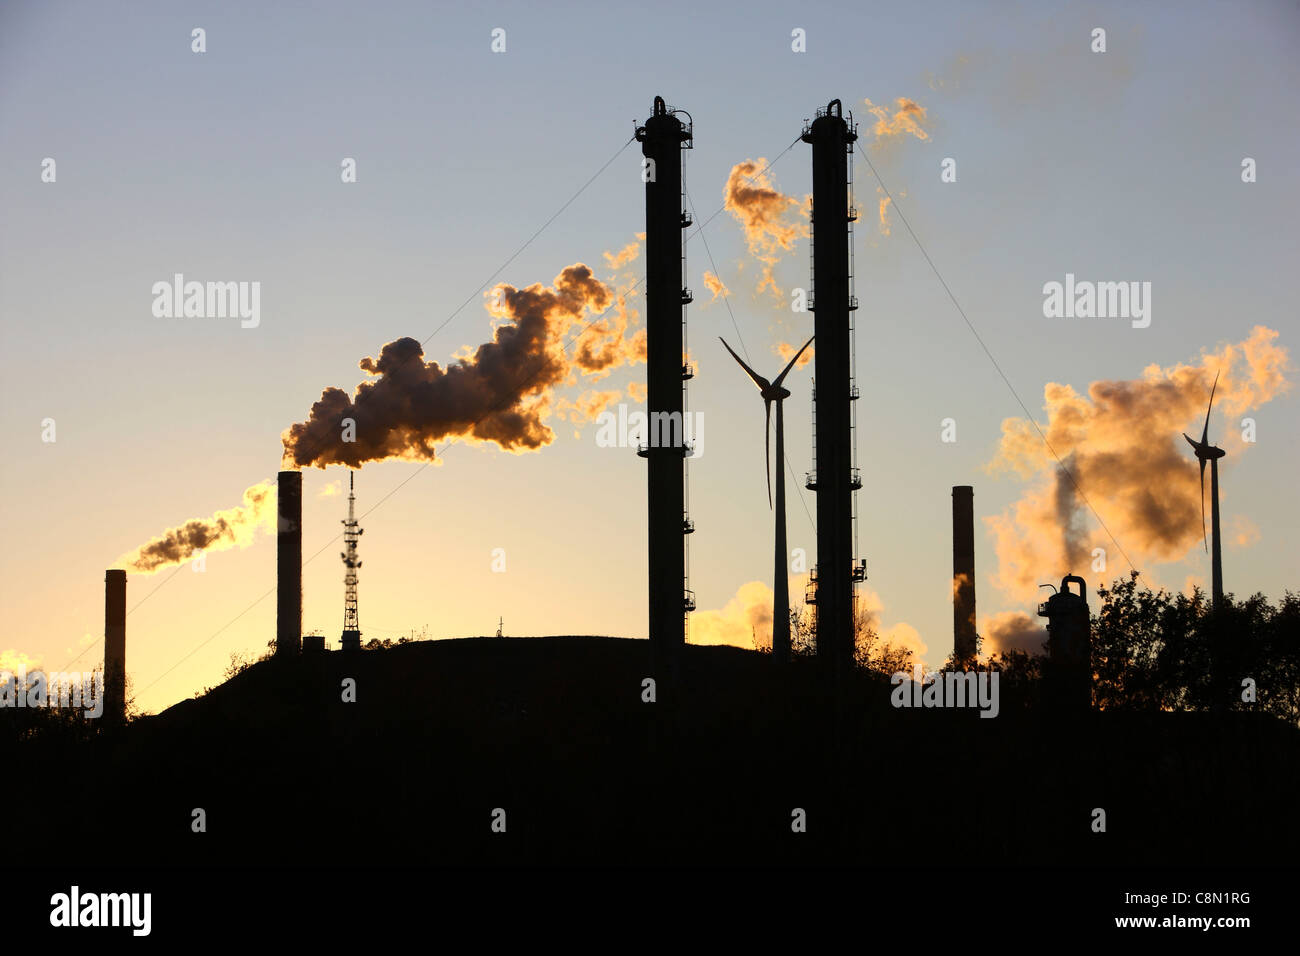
(351, 535)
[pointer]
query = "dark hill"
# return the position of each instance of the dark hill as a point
(554, 731)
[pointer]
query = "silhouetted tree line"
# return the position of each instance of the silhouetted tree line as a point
(1157, 651)
(1151, 651)
(374, 644)
(56, 725)
(869, 651)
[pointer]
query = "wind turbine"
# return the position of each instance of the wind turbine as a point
(774, 392)
(1207, 452)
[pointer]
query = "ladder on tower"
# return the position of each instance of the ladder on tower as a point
(688, 372)
(810, 479)
(856, 480)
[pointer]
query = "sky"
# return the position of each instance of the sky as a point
(225, 165)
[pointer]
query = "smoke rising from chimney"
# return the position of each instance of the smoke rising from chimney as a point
(624, 257)
(767, 216)
(907, 119)
(234, 527)
(1122, 442)
(501, 393)
(893, 126)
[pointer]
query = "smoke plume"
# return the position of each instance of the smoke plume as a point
(907, 119)
(901, 636)
(625, 256)
(17, 662)
(787, 351)
(745, 620)
(767, 216)
(1123, 444)
(234, 527)
(715, 285)
(500, 393)
(587, 406)
(1012, 631)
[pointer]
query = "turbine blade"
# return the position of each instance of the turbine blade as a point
(1204, 539)
(1205, 433)
(781, 378)
(767, 450)
(761, 382)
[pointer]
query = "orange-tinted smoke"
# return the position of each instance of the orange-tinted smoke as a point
(587, 406)
(787, 352)
(234, 527)
(604, 344)
(908, 118)
(768, 217)
(625, 256)
(715, 285)
(1123, 443)
(499, 393)
(744, 621)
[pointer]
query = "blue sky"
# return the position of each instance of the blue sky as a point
(225, 165)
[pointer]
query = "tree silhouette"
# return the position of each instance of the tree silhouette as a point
(1157, 651)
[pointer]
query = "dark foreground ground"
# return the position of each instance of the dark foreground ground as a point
(554, 732)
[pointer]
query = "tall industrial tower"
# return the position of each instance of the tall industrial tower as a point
(835, 476)
(964, 636)
(288, 563)
(351, 534)
(114, 645)
(663, 138)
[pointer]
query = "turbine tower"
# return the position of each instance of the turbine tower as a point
(775, 392)
(351, 534)
(1207, 452)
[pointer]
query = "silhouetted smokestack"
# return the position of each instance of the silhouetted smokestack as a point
(115, 645)
(963, 575)
(662, 139)
(834, 479)
(1069, 647)
(288, 594)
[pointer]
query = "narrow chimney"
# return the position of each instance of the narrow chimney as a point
(662, 139)
(114, 645)
(963, 575)
(835, 480)
(288, 595)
